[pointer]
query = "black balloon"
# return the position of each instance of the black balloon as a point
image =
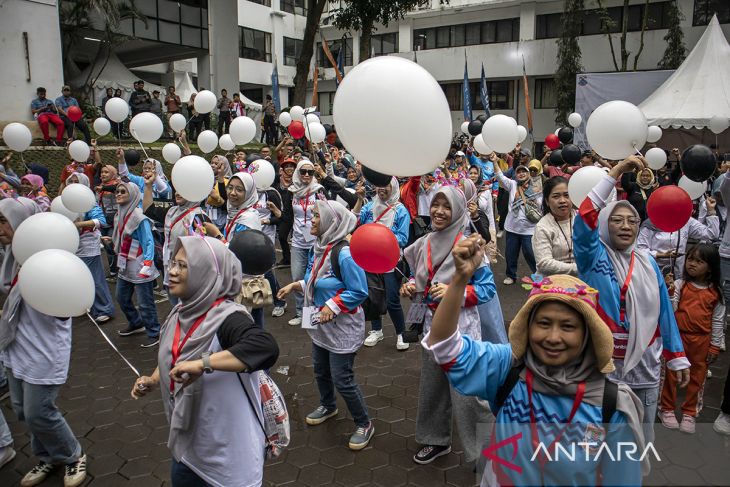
(571, 154)
(255, 251)
(556, 158)
(565, 135)
(253, 157)
(475, 127)
(131, 157)
(482, 118)
(698, 162)
(375, 178)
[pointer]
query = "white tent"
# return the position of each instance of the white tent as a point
(698, 90)
(185, 88)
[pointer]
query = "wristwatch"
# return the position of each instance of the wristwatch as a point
(206, 363)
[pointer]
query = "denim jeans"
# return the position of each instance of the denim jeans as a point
(182, 476)
(103, 303)
(513, 244)
(334, 370)
(299, 261)
(51, 438)
(6, 438)
(395, 310)
(649, 398)
(274, 283)
(258, 317)
(492, 321)
(147, 314)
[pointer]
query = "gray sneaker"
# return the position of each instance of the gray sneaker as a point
(361, 437)
(320, 415)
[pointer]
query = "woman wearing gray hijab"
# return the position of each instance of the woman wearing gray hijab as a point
(209, 352)
(333, 317)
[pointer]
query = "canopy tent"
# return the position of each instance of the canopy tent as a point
(185, 88)
(698, 90)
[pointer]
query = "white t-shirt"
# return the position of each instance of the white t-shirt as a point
(303, 209)
(425, 198)
(265, 214)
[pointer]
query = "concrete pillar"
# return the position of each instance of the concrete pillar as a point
(405, 35)
(527, 21)
(222, 57)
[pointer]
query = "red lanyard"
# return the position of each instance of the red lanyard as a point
(124, 225)
(625, 290)
(14, 281)
(177, 345)
(313, 277)
(533, 422)
(383, 214)
(167, 237)
(305, 205)
(233, 222)
(431, 270)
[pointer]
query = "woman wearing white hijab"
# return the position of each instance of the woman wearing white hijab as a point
(334, 299)
(632, 294)
(210, 352)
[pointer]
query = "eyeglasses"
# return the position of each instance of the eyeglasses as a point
(289, 169)
(181, 266)
(306, 172)
(620, 220)
(121, 192)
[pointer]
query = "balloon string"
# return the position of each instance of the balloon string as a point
(140, 144)
(23, 161)
(113, 346)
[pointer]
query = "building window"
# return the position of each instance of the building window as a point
(298, 7)
(501, 95)
(453, 95)
(266, 3)
(254, 44)
(335, 47)
(325, 102)
(506, 30)
(292, 50)
(548, 26)
(382, 44)
(545, 94)
(705, 9)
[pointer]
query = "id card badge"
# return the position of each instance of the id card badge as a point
(310, 317)
(416, 313)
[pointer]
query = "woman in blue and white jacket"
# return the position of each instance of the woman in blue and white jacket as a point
(386, 210)
(334, 299)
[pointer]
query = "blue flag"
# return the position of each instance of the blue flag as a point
(341, 60)
(483, 93)
(275, 87)
(466, 92)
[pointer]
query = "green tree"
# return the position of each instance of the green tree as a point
(608, 26)
(314, 14)
(569, 59)
(675, 52)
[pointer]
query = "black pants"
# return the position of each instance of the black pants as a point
(270, 129)
(725, 406)
(206, 120)
(194, 129)
(81, 125)
(283, 231)
(502, 206)
(224, 123)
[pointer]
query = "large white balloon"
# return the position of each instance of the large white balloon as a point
(315, 132)
(284, 119)
(481, 146)
(78, 197)
(79, 151)
(574, 119)
(171, 152)
(177, 122)
(44, 231)
(17, 136)
(226, 143)
(616, 129)
(719, 124)
(207, 141)
(57, 283)
(205, 101)
(116, 109)
(465, 128)
(693, 188)
(102, 126)
(500, 133)
(193, 178)
(146, 127)
(410, 134)
(521, 133)
(582, 182)
(653, 134)
(656, 158)
(297, 113)
(262, 172)
(311, 118)
(58, 207)
(242, 130)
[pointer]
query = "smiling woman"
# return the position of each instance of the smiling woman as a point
(552, 242)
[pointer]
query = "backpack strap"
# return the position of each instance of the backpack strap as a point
(335, 258)
(513, 376)
(610, 398)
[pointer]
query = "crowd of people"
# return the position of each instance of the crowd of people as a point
(619, 314)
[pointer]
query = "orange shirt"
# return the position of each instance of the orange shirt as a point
(695, 308)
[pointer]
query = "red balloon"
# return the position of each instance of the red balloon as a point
(74, 113)
(669, 208)
(374, 248)
(552, 141)
(296, 129)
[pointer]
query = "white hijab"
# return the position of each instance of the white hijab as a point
(380, 206)
(297, 187)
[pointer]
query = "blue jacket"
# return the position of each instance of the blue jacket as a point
(347, 294)
(401, 222)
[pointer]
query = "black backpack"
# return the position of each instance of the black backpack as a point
(375, 305)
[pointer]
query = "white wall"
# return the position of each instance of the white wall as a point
(39, 18)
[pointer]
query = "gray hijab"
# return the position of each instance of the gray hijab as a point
(131, 213)
(252, 197)
(297, 187)
(80, 177)
(213, 273)
(179, 229)
(380, 206)
(227, 171)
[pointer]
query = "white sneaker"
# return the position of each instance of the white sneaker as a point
(296, 321)
(508, 281)
(373, 338)
(401, 345)
(722, 346)
(278, 311)
(6, 455)
(709, 374)
(500, 234)
(722, 424)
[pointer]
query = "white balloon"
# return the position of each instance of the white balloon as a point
(102, 126)
(193, 178)
(719, 124)
(556, 131)
(500, 133)
(521, 133)
(17, 136)
(58, 207)
(78, 197)
(582, 182)
(177, 122)
(146, 127)
(616, 129)
(79, 151)
(656, 158)
(207, 141)
(315, 132)
(242, 130)
(226, 143)
(413, 131)
(653, 134)
(297, 113)
(465, 128)
(44, 231)
(311, 118)
(171, 152)
(262, 172)
(57, 283)
(205, 101)
(284, 119)
(481, 146)
(574, 119)
(693, 188)
(116, 109)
